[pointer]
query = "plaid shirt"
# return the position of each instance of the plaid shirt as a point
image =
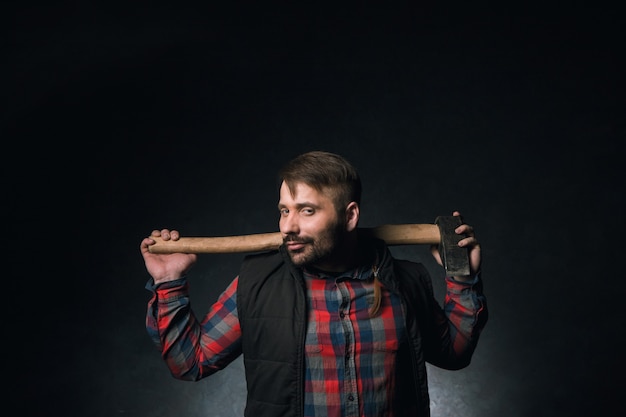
(350, 356)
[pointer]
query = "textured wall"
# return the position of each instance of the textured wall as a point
(124, 120)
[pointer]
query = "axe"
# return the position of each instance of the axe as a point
(455, 259)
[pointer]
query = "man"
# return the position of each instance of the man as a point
(330, 324)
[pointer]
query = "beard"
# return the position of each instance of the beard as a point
(319, 249)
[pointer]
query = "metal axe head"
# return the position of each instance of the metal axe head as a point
(455, 258)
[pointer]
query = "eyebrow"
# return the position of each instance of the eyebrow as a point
(300, 205)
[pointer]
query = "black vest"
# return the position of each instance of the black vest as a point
(271, 304)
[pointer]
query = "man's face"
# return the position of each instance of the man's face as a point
(310, 226)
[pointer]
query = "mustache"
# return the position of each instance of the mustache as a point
(296, 239)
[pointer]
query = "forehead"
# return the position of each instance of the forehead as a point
(303, 193)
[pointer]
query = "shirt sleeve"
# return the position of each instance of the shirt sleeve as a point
(465, 305)
(460, 322)
(193, 349)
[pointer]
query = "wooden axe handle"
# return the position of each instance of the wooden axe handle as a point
(392, 234)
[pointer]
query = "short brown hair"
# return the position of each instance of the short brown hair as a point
(324, 171)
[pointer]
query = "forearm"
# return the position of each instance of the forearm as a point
(191, 350)
(459, 323)
(466, 309)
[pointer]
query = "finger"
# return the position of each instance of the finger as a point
(174, 234)
(145, 244)
(434, 250)
(464, 229)
(155, 233)
(468, 242)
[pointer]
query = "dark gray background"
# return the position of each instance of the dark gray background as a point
(125, 118)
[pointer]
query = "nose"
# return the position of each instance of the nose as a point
(288, 224)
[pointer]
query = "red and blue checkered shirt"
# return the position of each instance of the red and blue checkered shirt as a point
(350, 356)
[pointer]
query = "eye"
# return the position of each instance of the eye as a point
(283, 212)
(308, 211)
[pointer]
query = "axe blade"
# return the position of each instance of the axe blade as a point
(455, 258)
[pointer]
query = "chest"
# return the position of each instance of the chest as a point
(340, 319)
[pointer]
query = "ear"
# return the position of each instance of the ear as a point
(353, 213)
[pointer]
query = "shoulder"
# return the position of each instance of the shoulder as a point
(411, 268)
(413, 277)
(262, 263)
(267, 256)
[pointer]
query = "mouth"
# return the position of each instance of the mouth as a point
(295, 245)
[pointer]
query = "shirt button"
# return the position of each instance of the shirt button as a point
(342, 315)
(351, 397)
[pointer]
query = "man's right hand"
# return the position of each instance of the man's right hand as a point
(166, 267)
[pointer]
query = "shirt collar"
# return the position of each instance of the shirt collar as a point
(363, 273)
